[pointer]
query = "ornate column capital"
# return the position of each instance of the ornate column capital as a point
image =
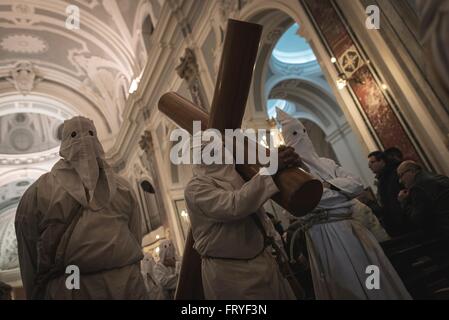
(146, 141)
(189, 71)
(23, 77)
(188, 67)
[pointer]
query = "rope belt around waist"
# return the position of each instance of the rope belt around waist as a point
(266, 244)
(57, 272)
(320, 216)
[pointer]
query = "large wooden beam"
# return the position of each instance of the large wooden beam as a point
(235, 74)
(190, 284)
(299, 191)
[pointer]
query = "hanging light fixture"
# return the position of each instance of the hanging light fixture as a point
(275, 134)
(342, 81)
(134, 85)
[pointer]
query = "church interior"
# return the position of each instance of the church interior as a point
(361, 76)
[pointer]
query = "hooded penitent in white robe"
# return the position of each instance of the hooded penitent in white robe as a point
(235, 262)
(80, 214)
(166, 276)
(153, 288)
(327, 170)
(340, 248)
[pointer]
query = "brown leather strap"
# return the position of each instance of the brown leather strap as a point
(282, 260)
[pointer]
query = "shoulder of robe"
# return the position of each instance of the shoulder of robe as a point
(28, 201)
(328, 162)
(195, 185)
(46, 179)
(43, 184)
(47, 184)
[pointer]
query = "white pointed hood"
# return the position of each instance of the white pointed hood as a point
(295, 136)
(147, 264)
(83, 166)
(220, 172)
(166, 250)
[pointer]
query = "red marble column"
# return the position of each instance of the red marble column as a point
(376, 108)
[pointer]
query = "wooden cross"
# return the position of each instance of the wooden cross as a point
(299, 192)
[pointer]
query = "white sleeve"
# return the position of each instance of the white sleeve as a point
(347, 183)
(165, 279)
(225, 205)
(135, 219)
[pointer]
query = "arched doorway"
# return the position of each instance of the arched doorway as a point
(151, 215)
(288, 71)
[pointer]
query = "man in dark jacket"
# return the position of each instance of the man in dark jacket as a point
(388, 187)
(425, 198)
(394, 154)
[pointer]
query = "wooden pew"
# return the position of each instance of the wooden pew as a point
(422, 261)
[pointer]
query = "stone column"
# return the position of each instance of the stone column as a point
(146, 144)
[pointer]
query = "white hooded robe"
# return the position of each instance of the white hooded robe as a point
(166, 276)
(340, 252)
(103, 237)
(154, 290)
(235, 263)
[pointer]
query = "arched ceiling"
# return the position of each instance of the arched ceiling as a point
(97, 61)
(291, 48)
(22, 133)
(9, 199)
(10, 193)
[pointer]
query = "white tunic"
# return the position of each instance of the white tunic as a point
(220, 206)
(104, 244)
(167, 279)
(154, 290)
(341, 250)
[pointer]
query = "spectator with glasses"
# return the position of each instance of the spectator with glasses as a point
(425, 199)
